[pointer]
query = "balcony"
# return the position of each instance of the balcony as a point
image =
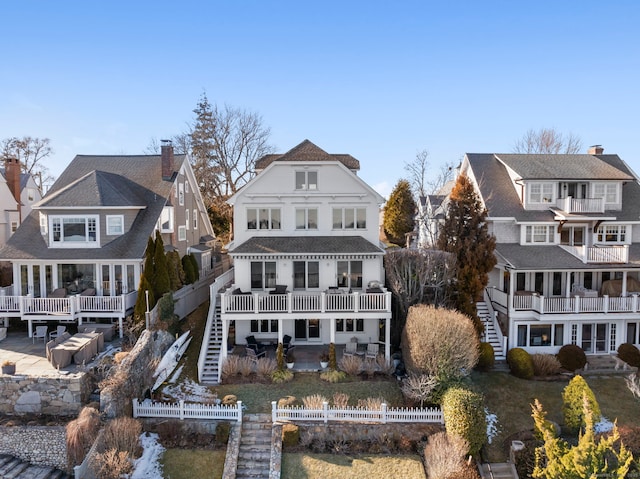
(582, 205)
(599, 254)
(306, 302)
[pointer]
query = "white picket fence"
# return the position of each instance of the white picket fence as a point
(354, 414)
(184, 410)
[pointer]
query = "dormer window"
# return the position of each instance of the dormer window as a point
(74, 231)
(540, 193)
(307, 180)
(539, 234)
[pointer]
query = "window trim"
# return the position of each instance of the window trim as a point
(182, 233)
(169, 211)
(268, 222)
(181, 194)
(307, 224)
(607, 230)
(542, 195)
(61, 243)
(529, 234)
(186, 219)
(302, 180)
(195, 219)
(307, 275)
(120, 230)
(358, 222)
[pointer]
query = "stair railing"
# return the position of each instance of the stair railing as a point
(493, 318)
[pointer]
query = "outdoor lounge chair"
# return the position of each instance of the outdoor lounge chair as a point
(350, 349)
(58, 332)
(58, 293)
(280, 289)
(40, 333)
(286, 344)
(372, 351)
(253, 356)
(255, 345)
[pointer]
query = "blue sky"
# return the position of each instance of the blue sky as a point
(378, 80)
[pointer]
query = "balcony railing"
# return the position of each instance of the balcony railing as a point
(571, 305)
(582, 205)
(70, 306)
(599, 254)
(305, 302)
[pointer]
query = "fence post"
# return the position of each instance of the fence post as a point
(181, 409)
(274, 414)
(383, 413)
(135, 407)
(325, 409)
(239, 403)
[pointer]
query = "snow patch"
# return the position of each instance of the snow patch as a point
(148, 465)
(603, 425)
(492, 425)
(189, 391)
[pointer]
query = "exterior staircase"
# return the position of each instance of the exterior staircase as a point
(490, 332)
(503, 470)
(214, 347)
(254, 455)
(13, 468)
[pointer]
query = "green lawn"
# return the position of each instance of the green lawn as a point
(336, 466)
(192, 463)
(510, 398)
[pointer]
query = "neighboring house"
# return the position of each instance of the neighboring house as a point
(307, 257)
(80, 252)
(429, 218)
(18, 193)
(567, 229)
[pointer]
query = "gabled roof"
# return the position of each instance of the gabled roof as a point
(561, 167)
(333, 245)
(307, 151)
(101, 179)
(96, 189)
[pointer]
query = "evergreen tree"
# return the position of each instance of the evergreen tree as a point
(149, 257)
(189, 273)
(174, 267)
(572, 398)
(465, 234)
(160, 282)
(399, 214)
(196, 268)
(141, 301)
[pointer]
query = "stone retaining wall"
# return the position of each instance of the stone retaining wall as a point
(42, 445)
(55, 396)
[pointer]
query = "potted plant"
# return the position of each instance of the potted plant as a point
(291, 359)
(8, 367)
(324, 359)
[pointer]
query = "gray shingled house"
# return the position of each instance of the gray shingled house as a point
(79, 254)
(568, 247)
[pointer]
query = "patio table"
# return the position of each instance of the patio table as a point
(81, 347)
(106, 329)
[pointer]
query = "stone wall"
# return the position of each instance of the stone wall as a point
(55, 396)
(42, 445)
(133, 376)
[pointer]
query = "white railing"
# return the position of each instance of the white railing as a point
(581, 205)
(494, 319)
(383, 415)
(182, 410)
(219, 284)
(599, 254)
(31, 305)
(577, 304)
(100, 303)
(10, 303)
(497, 296)
(522, 302)
(299, 302)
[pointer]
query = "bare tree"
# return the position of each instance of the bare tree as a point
(181, 144)
(548, 141)
(32, 152)
(417, 171)
(444, 176)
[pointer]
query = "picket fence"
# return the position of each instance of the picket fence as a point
(383, 415)
(184, 410)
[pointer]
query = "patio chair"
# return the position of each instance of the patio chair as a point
(58, 332)
(372, 351)
(286, 344)
(253, 356)
(350, 349)
(254, 344)
(40, 333)
(58, 293)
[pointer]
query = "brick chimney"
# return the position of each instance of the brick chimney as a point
(12, 174)
(595, 150)
(166, 152)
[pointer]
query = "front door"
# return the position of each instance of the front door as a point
(307, 329)
(595, 337)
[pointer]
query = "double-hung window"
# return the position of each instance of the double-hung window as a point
(608, 192)
(186, 218)
(263, 218)
(540, 193)
(306, 218)
(349, 218)
(539, 234)
(307, 180)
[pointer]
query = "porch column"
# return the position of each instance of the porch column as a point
(332, 330)
(30, 328)
(387, 339)
(567, 286)
(624, 283)
(120, 327)
(512, 292)
(280, 335)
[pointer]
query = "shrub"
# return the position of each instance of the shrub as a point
(189, 272)
(81, 433)
(245, 365)
(371, 403)
(340, 400)
(290, 435)
(287, 401)
(123, 434)
(230, 400)
(419, 387)
(385, 365)
(545, 364)
(630, 437)
(314, 401)
(486, 357)
(572, 357)
(444, 454)
(231, 366)
(629, 354)
(280, 356)
(333, 376)
(464, 416)
(113, 464)
(333, 363)
(439, 342)
(369, 367)
(223, 429)
(266, 366)
(281, 376)
(351, 365)
(573, 404)
(520, 363)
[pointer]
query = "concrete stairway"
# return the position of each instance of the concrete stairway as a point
(13, 468)
(214, 346)
(490, 332)
(503, 470)
(254, 456)
(606, 364)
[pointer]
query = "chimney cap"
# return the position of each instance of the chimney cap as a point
(166, 142)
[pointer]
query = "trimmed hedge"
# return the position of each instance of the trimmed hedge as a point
(487, 358)
(573, 402)
(520, 363)
(464, 415)
(629, 354)
(572, 357)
